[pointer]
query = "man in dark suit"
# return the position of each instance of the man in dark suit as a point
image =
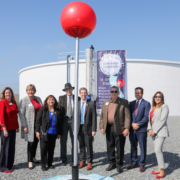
(66, 102)
(138, 133)
(87, 125)
(115, 121)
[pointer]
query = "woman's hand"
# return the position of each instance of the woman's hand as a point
(5, 132)
(25, 129)
(17, 130)
(151, 133)
(38, 135)
(58, 136)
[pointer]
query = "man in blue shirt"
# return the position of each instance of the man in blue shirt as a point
(87, 126)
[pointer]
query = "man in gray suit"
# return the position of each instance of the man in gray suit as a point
(66, 102)
(87, 125)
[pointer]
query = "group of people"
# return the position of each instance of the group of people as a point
(53, 120)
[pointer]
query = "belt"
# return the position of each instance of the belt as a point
(81, 124)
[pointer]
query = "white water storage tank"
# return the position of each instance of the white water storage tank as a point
(151, 75)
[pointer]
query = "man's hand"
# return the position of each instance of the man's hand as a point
(135, 126)
(58, 136)
(102, 131)
(93, 133)
(25, 129)
(38, 135)
(126, 132)
(17, 130)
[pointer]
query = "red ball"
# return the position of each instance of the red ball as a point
(78, 19)
(120, 82)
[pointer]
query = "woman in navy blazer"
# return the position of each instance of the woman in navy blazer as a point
(49, 119)
(158, 130)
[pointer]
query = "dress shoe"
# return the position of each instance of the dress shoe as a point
(37, 162)
(82, 164)
(132, 166)
(111, 167)
(158, 177)
(51, 167)
(64, 163)
(89, 166)
(142, 169)
(31, 168)
(119, 168)
(44, 169)
(153, 172)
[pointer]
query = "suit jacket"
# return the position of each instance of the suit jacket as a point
(122, 117)
(159, 119)
(142, 115)
(27, 117)
(42, 120)
(90, 118)
(63, 104)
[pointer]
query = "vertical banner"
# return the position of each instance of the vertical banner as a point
(111, 67)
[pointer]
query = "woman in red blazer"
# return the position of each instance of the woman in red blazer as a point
(9, 127)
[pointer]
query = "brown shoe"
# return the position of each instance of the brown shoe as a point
(89, 166)
(132, 166)
(142, 169)
(82, 164)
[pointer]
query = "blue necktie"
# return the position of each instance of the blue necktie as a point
(82, 113)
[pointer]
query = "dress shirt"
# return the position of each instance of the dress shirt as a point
(84, 109)
(139, 101)
(71, 102)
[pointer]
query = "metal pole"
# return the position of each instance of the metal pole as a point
(75, 174)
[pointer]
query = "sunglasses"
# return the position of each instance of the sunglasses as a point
(158, 97)
(114, 91)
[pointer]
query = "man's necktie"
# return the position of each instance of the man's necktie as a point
(69, 112)
(82, 113)
(136, 108)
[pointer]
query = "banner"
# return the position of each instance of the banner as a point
(111, 71)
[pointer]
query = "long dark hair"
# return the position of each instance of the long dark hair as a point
(162, 99)
(45, 106)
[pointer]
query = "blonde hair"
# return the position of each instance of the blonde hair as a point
(3, 93)
(83, 88)
(31, 86)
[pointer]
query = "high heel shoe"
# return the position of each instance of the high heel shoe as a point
(158, 177)
(153, 172)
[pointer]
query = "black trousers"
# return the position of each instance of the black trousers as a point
(7, 150)
(31, 148)
(85, 141)
(113, 141)
(47, 150)
(67, 126)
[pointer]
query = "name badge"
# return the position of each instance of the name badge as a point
(107, 103)
(30, 105)
(10, 104)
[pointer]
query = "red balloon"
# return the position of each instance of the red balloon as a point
(120, 82)
(78, 19)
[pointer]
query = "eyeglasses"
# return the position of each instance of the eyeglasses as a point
(114, 91)
(158, 97)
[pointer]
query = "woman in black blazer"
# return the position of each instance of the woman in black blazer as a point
(49, 121)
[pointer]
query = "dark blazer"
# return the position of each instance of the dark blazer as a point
(142, 115)
(90, 119)
(63, 104)
(122, 118)
(42, 120)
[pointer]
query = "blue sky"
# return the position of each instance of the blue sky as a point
(31, 34)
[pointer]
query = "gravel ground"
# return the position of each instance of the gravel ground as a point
(171, 156)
